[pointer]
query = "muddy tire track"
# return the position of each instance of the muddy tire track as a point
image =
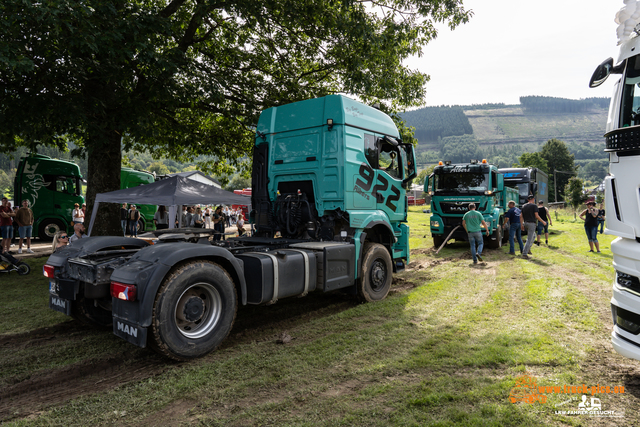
(59, 386)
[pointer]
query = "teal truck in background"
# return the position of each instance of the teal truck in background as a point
(453, 186)
(329, 212)
(54, 186)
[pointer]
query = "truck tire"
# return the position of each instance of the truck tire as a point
(48, 228)
(375, 272)
(437, 241)
(495, 241)
(194, 311)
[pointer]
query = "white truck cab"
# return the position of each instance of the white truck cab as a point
(622, 186)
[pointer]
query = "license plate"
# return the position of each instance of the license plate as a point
(60, 304)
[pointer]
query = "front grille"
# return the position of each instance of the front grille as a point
(623, 139)
(628, 281)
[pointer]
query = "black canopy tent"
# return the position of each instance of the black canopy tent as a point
(171, 192)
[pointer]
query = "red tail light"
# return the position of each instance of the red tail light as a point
(49, 271)
(123, 291)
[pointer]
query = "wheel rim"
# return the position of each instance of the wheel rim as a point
(51, 229)
(198, 310)
(378, 275)
(23, 269)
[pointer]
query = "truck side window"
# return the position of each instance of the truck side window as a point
(370, 150)
(389, 161)
(630, 110)
(494, 179)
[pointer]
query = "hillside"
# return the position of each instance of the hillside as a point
(501, 133)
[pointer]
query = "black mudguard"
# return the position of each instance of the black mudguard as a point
(148, 268)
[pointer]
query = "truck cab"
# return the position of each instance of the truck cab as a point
(622, 142)
(527, 181)
(52, 187)
(338, 172)
(453, 187)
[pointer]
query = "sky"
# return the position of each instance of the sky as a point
(512, 48)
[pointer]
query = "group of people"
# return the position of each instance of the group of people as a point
(62, 238)
(10, 219)
(218, 219)
(535, 219)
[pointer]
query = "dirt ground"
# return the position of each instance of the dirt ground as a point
(25, 397)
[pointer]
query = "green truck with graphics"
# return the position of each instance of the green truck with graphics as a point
(53, 187)
(329, 212)
(453, 187)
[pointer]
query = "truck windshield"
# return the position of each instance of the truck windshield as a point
(630, 111)
(523, 189)
(461, 182)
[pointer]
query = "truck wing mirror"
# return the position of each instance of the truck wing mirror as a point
(601, 73)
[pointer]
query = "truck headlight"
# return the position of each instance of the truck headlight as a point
(435, 224)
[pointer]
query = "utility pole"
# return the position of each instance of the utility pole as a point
(555, 182)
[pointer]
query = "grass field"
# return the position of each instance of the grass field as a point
(446, 348)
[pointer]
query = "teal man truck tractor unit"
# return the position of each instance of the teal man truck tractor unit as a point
(527, 181)
(454, 186)
(329, 211)
(53, 187)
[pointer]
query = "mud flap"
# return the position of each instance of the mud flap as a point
(135, 334)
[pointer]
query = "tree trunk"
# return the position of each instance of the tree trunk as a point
(104, 157)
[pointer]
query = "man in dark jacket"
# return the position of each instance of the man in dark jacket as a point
(531, 218)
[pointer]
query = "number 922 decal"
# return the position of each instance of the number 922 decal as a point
(365, 181)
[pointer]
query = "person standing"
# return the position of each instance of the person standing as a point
(6, 227)
(590, 217)
(207, 217)
(161, 218)
(24, 218)
(132, 221)
(601, 217)
(197, 220)
(531, 218)
(218, 223)
(543, 212)
(473, 222)
(123, 218)
(514, 222)
(78, 231)
(78, 215)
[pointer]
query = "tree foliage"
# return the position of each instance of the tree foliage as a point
(557, 156)
(432, 123)
(574, 192)
(184, 78)
(533, 160)
(549, 104)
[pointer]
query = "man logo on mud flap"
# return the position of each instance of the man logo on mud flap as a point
(131, 331)
(58, 302)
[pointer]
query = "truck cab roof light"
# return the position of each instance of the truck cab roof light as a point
(49, 271)
(447, 162)
(484, 161)
(440, 163)
(473, 161)
(123, 291)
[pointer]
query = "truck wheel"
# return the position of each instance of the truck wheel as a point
(140, 226)
(375, 272)
(437, 241)
(194, 311)
(495, 241)
(86, 311)
(48, 228)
